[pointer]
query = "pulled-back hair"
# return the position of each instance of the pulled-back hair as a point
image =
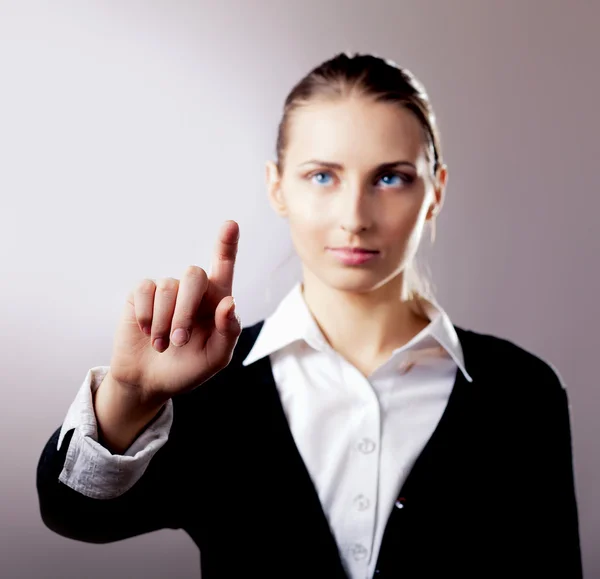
(383, 81)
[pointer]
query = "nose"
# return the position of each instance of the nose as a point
(355, 212)
(354, 229)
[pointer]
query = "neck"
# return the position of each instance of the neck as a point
(369, 325)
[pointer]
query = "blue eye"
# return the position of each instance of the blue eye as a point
(321, 181)
(388, 180)
(396, 180)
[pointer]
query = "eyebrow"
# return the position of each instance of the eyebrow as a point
(382, 167)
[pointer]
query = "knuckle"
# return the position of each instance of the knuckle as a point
(146, 286)
(167, 285)
(224, 256)
(194, 271)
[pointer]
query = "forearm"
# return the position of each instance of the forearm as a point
(121, 414)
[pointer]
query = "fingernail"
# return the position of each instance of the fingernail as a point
(180, 337)
(160, 344)
(231, 312)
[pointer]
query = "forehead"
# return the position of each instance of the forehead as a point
(354, 130)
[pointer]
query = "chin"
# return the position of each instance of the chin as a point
(353, 281)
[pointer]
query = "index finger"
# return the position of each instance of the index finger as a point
(223, 262)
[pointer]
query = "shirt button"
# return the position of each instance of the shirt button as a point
(362, 503)
(366, 445)
(358, 552)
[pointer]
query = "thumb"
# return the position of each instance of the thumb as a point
(228, 325)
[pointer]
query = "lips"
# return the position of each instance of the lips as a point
(358, 250)
(353, 256)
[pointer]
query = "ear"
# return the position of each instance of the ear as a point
(275, 194)
(439, 188)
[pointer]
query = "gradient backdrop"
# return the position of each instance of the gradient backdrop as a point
(129, 131)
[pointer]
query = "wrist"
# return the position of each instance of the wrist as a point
(122, 413)
(132, 399)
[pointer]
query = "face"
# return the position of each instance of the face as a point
(356, 174)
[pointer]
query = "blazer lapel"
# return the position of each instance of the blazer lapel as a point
(291, 489)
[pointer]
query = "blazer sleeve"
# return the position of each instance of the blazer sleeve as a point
(552, 539)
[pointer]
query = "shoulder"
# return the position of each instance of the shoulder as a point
(496, 358)
(514, 384)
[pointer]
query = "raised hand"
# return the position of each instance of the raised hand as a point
(175, 334)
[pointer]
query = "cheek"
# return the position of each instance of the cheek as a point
(308, 230)
(398, 223)
(308, 218)
(412, 230)
(402, 220)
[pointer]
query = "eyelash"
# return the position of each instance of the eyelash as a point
(407, 179)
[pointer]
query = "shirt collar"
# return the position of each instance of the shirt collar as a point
(293, 321)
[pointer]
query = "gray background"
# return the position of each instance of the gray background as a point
(129, 131)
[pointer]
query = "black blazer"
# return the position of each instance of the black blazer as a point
(491, 495)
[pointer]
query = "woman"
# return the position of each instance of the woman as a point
(356, 432)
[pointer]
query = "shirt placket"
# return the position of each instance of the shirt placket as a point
(361, 486)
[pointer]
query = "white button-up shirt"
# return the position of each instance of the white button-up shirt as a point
(358, 436)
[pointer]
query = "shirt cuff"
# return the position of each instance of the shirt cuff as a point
(90, 468)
